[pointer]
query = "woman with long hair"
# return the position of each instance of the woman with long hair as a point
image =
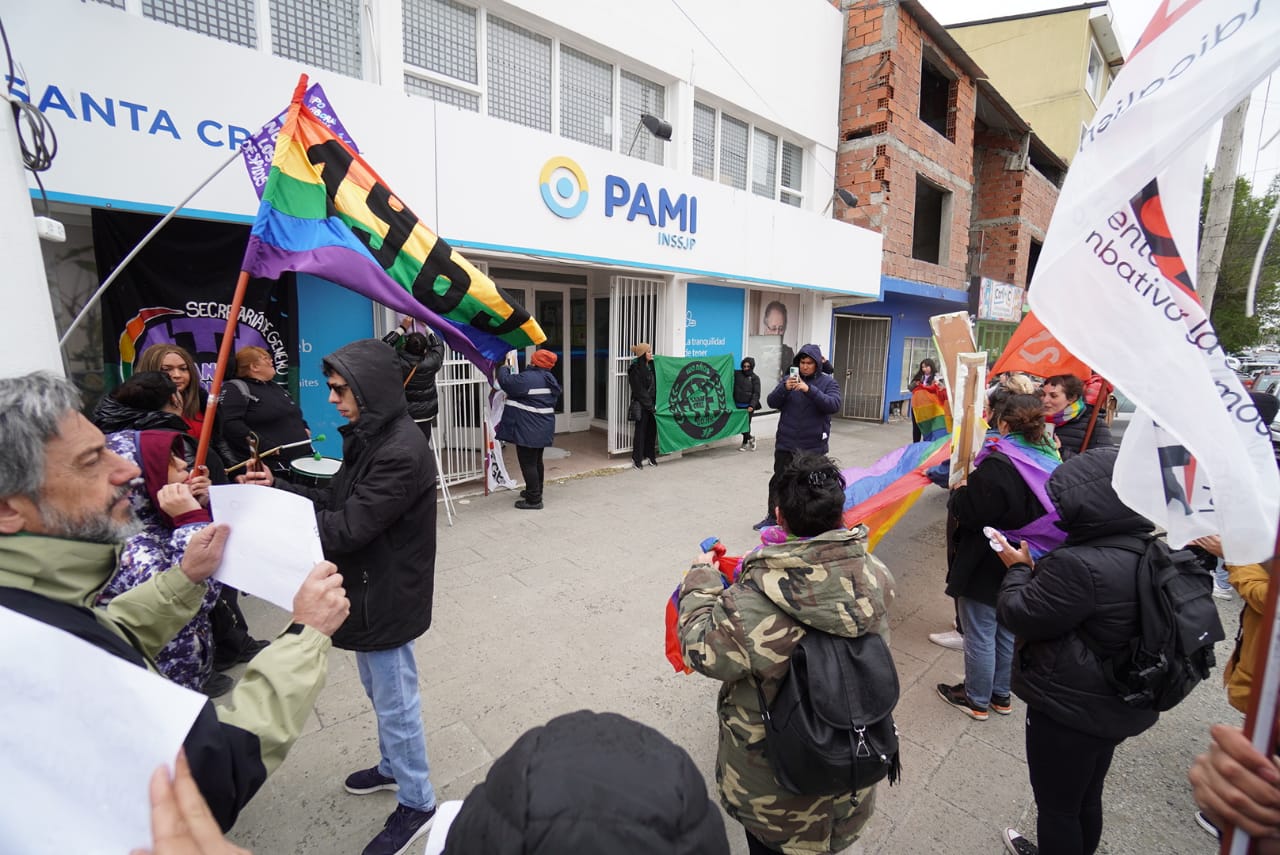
(928, 400)
(1005, 491)
(175, 362)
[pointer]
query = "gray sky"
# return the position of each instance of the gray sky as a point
(1130, 19)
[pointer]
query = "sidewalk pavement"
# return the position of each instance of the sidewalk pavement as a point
(542, 613)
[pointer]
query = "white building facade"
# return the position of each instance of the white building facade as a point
(514, 131)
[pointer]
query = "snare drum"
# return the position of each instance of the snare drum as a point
(313, 472)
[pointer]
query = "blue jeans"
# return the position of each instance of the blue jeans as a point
(1220, 576)
(390, 679)
(988, 652)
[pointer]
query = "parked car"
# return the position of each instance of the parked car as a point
(1268, 381)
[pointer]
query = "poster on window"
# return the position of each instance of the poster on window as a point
(773, 321)
(178, 290)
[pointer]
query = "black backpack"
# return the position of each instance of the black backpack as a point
(830, 727)
(1178, 624)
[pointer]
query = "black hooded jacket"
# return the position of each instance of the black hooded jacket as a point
(746, 385)
(590, 783)
(377, 517)
(1075, 587)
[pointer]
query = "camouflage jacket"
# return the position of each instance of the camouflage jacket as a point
(744, 635)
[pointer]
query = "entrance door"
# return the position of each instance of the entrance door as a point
(861, 360)
(562, 312)
(634, 316)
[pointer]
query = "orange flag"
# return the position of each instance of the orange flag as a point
(1033, 349)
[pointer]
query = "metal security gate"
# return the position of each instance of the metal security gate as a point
(861, 361)
(459, 429)
(635, 309)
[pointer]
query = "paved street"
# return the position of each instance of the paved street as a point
(541, 613)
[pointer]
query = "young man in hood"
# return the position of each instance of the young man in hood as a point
(746, 395)
(377, 521)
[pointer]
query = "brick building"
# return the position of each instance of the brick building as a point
(956, 182)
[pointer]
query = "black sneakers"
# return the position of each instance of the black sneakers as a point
(526, 505)
(955, 696)
(1017, 844)
(1002, 704)
(369, 781)
(404, 826)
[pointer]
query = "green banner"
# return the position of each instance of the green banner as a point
(695, 401)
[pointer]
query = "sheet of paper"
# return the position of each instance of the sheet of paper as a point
(274, 541)
(83, 731)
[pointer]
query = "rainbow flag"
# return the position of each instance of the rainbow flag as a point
(929, 409)
(880, 494)
(325, 211)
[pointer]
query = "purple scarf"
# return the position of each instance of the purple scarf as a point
(1034, 463)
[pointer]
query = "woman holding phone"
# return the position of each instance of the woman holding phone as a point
(1006, 491)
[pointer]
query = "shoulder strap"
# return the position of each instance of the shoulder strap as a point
(243, 388)
(75, 620)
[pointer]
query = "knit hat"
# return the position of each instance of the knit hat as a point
(641, 349)
(543, 359)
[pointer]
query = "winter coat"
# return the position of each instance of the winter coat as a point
(1071, 434)
(529, 415)
(995, 496)
(420, 392)
(1075, 588)
(805, 420)
(264, 407)
(547, 795)
(744, 635)
(746, 389)
(188, 658)
(643, 384)
(377, 516)
(232, 748)
(111, 416)
(1251, 582)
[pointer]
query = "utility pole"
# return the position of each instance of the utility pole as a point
(1222, 191)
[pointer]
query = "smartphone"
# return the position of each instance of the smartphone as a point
(795, 371)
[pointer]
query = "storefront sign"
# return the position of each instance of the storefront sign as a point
(1000, 301)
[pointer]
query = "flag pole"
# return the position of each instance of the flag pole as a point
(224, 356)
(146, 239)
(1260, 720)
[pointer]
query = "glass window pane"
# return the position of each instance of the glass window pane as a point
(792, 166)
(519, 65)
(733, 152)
(440, 92)
(324, 34)
(704, 141)
(586, 99)
(764, 165)
(440, 35)
(229, 20)
(641, 96)
(115, 4)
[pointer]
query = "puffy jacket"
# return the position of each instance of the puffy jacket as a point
(995, 496)
(746, 387)
(264, 407)
(1071, 434)
(548, 795)
(643, 384)
(420, 392)
(805, 421)
(377, 517)
(111, 416)
(1251, 581)
(744, 635)
(1075, 588)
(529, 416)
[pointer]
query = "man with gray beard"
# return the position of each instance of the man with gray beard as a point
(64, 509)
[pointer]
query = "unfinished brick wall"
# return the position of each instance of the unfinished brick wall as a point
(1012, 206)
(884, 144)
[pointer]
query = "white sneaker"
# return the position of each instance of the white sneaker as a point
(1223, 592)
(1016, 844)
(951, 639)
(753, 443)
(742, 447)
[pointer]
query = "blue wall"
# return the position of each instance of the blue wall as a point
(328, 318)
(713, 320)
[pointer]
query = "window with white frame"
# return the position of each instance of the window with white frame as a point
(229, 20)
(637, 96)
(704, 141)
(915, 351)
(733, 152)
(1096, 74)
(442, 53)
(586, 98)
(519, 67)
(792, 174)
(326, 35)
(764, 164)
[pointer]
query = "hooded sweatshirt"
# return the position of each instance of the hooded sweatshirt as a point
(805, 421)
(745, 634)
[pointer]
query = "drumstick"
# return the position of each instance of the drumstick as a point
(277, 450)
